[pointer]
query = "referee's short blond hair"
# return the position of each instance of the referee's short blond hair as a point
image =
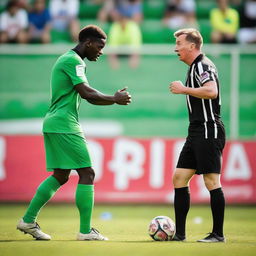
(192, 35)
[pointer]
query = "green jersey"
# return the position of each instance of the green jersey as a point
(62, 116)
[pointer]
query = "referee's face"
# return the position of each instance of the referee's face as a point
(183, 48)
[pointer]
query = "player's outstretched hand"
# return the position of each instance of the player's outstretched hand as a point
(177, 87)
(122, 97)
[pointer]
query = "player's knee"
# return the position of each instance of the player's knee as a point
(178, 180)
(65, 179)
(62, 179)
(86, 175)
(211, 183)
(91, 175)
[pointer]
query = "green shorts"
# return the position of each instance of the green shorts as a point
(66, 151)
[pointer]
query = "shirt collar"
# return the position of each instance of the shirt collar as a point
(198, 58)
(74, 50)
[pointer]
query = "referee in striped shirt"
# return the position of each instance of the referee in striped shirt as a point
(202, 151)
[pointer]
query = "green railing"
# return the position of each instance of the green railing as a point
(24, 90)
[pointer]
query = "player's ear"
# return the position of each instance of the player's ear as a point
(87, 43)
(192, 46)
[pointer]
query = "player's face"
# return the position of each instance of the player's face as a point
(183, 48)
(95, 49)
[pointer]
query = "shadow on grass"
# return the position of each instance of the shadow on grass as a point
(109, 241)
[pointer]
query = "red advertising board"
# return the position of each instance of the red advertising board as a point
(127, 170)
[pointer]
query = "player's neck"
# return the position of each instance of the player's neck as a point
(77, 49)
(192, 57)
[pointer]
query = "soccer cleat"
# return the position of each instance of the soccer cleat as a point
(213, 238)
(177, 238)
(93, 235)
(33, 229)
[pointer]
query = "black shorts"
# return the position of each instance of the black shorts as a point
(202, 155)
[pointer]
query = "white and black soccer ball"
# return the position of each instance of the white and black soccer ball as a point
(162, 228)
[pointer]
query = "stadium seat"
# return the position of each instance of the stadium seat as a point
(89, 10)
(153, 31)
(153, 9)
(203, 8)
(205, 29)
(60, 37)
(105, 26)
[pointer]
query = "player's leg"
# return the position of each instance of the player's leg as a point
(85, 198)
(212, 183)
(184, 172)
(44, 193)
(209, 159)
(181, 180)
(85, 203)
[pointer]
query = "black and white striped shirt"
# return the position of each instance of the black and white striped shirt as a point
(204, 114)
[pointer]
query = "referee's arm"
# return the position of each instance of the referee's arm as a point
(209, 90)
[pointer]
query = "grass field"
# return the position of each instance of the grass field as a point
(127, 231)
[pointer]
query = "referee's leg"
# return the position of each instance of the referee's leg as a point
(181, 180)
(212, 183)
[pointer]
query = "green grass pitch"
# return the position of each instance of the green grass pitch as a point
(127, 231)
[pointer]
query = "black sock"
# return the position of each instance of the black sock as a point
(218, 208)
(181, 207)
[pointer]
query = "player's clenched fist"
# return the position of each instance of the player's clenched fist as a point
(122, 97)
(177, 87)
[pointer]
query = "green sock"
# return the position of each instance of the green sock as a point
(44, 193)
(84, 203)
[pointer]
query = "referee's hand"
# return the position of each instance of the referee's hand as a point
(177, 87)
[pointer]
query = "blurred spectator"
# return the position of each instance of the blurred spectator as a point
(125, 32)
(39, 22)
(64, 16)
(180, 14)
(25, 4)
(13, 24)
(107, 12)
(247, 32)
(224, 22)
(131, 9)
(235, 2)
(112, 9)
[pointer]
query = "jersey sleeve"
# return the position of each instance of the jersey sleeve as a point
(76, 71)
(206, 73)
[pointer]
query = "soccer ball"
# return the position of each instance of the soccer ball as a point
(162, 228)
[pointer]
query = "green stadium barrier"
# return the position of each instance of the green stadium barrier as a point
(25, 93)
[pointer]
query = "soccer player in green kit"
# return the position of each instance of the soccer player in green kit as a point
(65, 144)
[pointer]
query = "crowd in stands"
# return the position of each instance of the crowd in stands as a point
(125, 16)
(180, 13)
(26, 21)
